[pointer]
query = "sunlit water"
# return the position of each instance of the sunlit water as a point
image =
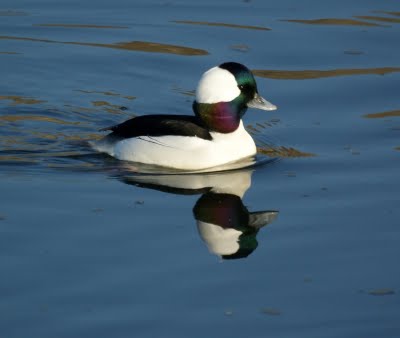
(303, 246)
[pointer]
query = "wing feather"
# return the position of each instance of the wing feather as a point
(160, 125)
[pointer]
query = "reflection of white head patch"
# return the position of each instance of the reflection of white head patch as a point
(219, 241)
(217, 85)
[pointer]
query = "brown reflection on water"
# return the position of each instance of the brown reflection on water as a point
(388, 12)
(10, 53)
(38, 157)
(104, 103)
(240, 48)
(141, 46)
(12, 13)
(381, 292)
(384, 114)
(220, 24)
(16, 158)
(316, 74)
(268, 148)
(63, 25)
(108, 107)
(378, 18)
(20, 99)
(32, 146)
(79, 109)
(255, 128)
(334, 21)
(280, 151)
(45, 137)
(107, 93)
(16, 118)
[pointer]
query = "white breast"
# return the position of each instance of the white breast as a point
(181, 152)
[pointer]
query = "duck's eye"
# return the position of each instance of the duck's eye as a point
(241, 87)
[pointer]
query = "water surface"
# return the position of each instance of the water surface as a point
(306, 246)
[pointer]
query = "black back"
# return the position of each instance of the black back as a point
(234, 67)
(160, 125)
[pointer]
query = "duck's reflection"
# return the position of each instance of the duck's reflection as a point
(227, 227)
(224, 223)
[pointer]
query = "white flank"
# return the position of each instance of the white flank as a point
(217, 85)
(182, 152)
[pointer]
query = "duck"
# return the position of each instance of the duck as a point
(224, 224)
(213, 136)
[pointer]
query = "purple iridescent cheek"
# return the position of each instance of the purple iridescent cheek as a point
(224, 119)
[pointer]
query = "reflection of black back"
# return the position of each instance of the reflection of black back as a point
(225, 210)
(165, 188)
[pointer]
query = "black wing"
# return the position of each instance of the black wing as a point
(160, 125)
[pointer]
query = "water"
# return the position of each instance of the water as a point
(306, 246)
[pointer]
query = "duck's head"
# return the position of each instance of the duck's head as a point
(223, 95)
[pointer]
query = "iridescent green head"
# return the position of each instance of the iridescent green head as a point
(223, 95)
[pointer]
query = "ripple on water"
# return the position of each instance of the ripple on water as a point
(317, 74)
(384, 114)
(63, 25)
(221, 24)
(334, 21)
(139, 46)
(355, 20)
(47, 139)
(15, 99)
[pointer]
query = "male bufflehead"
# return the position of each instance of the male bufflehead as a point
(224, 223)
(213, 137)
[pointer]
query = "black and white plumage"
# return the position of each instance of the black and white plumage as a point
(214, 136)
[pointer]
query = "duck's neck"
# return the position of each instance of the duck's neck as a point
(222, 117)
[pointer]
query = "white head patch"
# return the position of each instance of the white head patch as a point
(217, 85)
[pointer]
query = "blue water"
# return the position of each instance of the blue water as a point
(306, 246)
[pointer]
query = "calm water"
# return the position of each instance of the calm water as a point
(304, 246)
